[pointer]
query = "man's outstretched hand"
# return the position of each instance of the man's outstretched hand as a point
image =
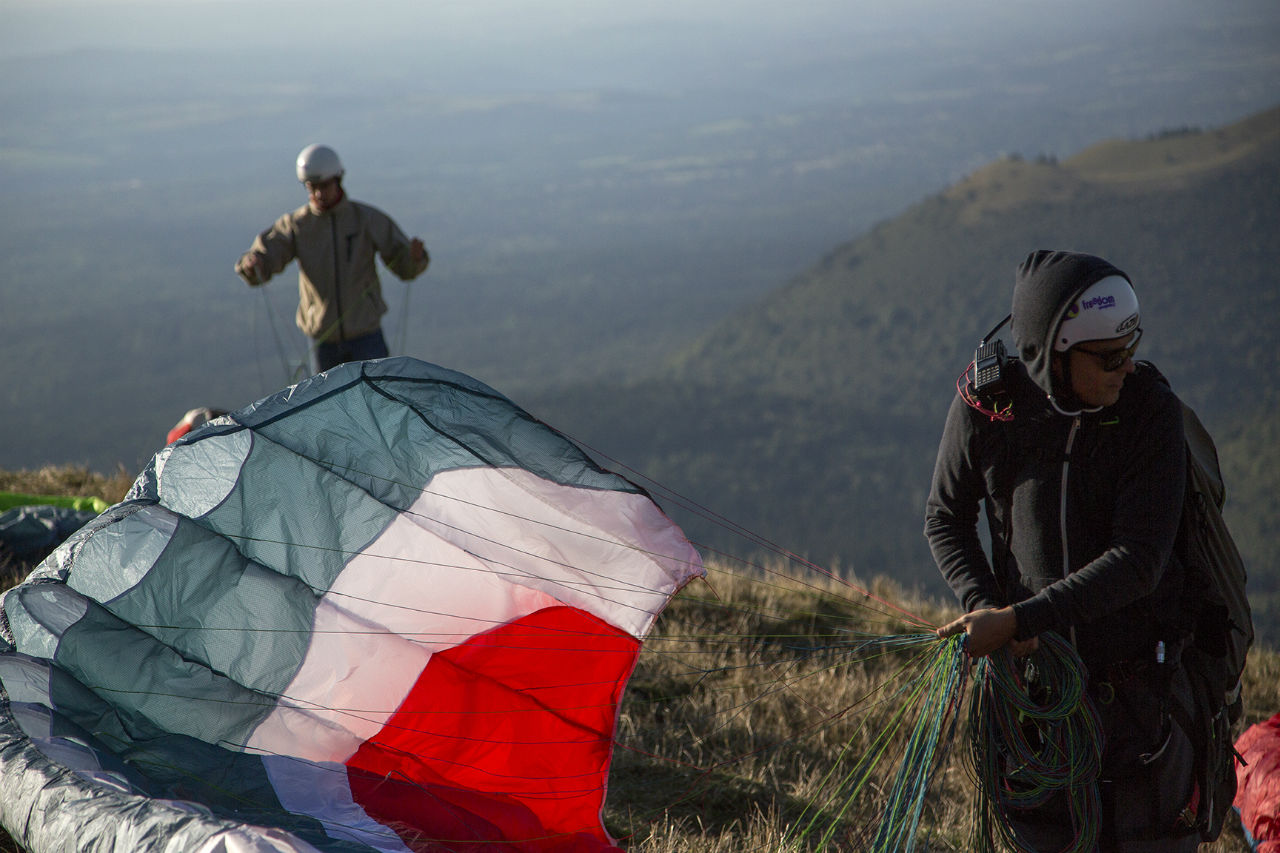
(989, 630)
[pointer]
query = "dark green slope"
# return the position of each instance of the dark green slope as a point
(897, 311)
(812, 418)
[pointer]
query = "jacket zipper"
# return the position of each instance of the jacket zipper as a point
(337, 285)
(1062, 510)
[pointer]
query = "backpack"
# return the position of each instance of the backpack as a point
(1221, 630)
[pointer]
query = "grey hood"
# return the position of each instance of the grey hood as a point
(1047, 283)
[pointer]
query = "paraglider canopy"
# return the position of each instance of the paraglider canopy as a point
(384, 609)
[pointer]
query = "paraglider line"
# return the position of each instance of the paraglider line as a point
(706, 513)
(291, 375)
(682, 500)
(657, 556)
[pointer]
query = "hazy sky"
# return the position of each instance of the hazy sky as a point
(568, 44)
(39, 25)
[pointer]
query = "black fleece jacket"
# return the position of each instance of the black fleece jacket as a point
(1113, 580)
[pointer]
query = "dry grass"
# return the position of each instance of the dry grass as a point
(68, 481)
(739, 708)
(743, 700)
(57, 482)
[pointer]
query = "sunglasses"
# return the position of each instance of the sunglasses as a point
(1114, 359)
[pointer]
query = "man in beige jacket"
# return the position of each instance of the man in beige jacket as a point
(334, 240)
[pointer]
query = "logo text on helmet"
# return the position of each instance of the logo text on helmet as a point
(1098, 302)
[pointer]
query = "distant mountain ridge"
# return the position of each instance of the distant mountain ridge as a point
(1193, 212)
(812, 417)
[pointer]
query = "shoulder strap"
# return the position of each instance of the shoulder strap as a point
(1215, 569)
(1208, 546)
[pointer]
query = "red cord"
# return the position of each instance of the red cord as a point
(962, 388)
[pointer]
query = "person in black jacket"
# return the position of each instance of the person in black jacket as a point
(1080, 472)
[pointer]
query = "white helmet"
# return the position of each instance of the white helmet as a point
(1107, 309)
(318, 163)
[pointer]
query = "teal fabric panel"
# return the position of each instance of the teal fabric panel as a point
(295, 515)
(213, 606)
(414, 420)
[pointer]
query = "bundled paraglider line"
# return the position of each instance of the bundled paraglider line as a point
(297, 370)
(934, 699)
(1034, 735)
(294, 370)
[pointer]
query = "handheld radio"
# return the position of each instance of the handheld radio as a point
(987, 377)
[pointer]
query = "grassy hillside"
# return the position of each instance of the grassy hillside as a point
(889, 311)
(883, 319)
(812, 418)
(751, 690)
